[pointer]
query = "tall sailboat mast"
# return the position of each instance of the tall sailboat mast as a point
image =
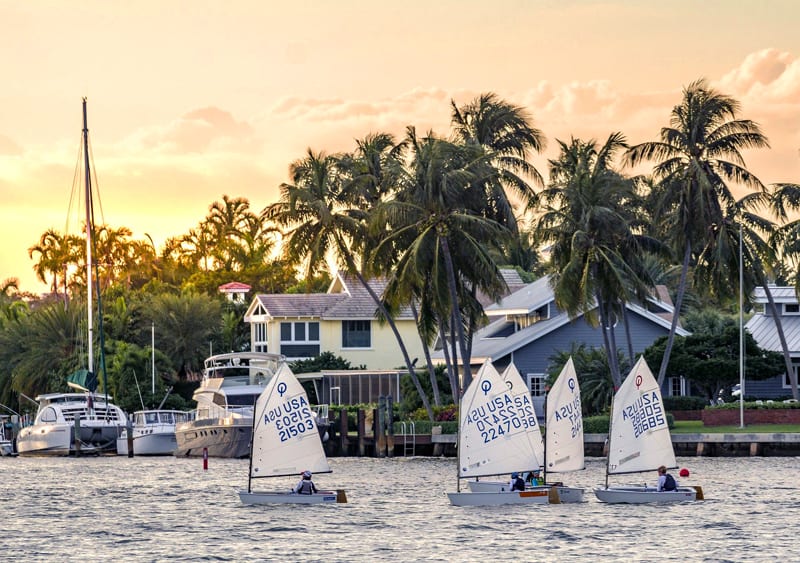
(88, 204)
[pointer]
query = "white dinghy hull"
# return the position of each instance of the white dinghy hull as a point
(566, 494)
(321, 497)
(499, 499)
(642, 495)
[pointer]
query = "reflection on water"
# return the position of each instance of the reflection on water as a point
(147, 509)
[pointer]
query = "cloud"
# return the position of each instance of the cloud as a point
(767, 72)
(9, 147)
(198, 131)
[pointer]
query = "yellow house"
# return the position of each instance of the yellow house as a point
(342, 321)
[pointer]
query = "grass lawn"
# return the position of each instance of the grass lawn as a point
(697, 427)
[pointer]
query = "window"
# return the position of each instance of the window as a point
(677, 386)
(260, 343)
(356, 334)
(791, 309)
(300, 339)
(787, 382)
(536, 383)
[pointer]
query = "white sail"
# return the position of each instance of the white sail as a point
(639, 438)
(286, 439)
(520, 390)
(494, 426)
(564, 424)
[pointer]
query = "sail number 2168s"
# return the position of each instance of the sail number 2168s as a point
(292, 418)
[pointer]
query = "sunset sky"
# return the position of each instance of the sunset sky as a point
(190, 100)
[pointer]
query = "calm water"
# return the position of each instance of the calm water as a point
(120, 509)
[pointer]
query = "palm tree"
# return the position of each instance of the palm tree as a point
(321, 221)
(697, 157)
(589, 211)
(446, 244)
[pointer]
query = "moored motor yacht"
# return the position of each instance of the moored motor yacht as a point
(152, 432)
(221, 424)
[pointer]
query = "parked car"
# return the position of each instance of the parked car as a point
(736, 390)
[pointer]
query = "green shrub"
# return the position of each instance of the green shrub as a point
(595, 424)
(757, 405)
(685, 403)
(424, 427)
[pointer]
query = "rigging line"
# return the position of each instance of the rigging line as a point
(96, 184)
(77, 183)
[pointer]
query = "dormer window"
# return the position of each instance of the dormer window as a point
(791, 309)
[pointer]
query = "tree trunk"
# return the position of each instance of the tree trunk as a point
(451, 374)
(451, 282)
(662, 371)
(626, 320)
(393, 326)
(610, 352)
(431, 371)
(787, 358)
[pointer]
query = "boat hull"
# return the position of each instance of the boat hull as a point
(57, 439)
(565, 494)
(643, 495)
(150, 444)
(225, 437)
(323, 497)
(499, 498)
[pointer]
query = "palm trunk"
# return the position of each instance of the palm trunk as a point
(397, 335)
(426, 350)
(451, 376)
(607, 343)
(451, 282)
(662, 371)
(626, 320)
(787, 358)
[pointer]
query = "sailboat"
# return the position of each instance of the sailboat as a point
(286, 442)
(639, 441)
(562, 449)
(85, 421)
(497, 434)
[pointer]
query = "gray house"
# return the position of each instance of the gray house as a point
(762, 327)
(527, 328)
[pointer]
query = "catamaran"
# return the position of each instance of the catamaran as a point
(639, 441)
(286, 443)
(84, 422)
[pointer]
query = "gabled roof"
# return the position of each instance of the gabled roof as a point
(486, 346)
(346, 299)
(527, 300)
(781, 294)
(765, 333)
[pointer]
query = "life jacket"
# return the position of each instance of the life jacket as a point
(306, 487)
(519, 484)
(669, 483)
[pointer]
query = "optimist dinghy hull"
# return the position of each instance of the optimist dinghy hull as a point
(566, 494)
(275, 497)
(500, 499)
(642, 495)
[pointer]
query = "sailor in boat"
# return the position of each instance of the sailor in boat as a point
(533, 478)
(306, 485)
(517, 483)
(666, 482)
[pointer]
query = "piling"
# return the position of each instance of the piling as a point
(205, 459)
(343, 429)
(77, 436)
(129, 429)
(389, 427)
(362, 430)
(380, 434)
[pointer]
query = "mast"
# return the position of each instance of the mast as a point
(610, 430)
(88, 204)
